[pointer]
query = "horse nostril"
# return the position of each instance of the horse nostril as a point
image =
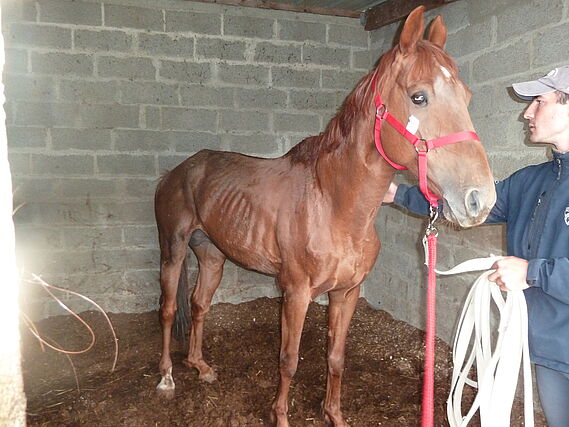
(472, 203)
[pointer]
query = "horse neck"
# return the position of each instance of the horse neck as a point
(354, 172)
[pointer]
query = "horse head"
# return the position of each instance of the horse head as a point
(418, 83)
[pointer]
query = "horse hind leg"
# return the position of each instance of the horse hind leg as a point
(173, 251)
(210, 263)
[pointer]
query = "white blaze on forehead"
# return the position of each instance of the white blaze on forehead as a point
(413, 124)
(445, 72)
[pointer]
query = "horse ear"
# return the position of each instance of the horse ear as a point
(438, 32)
(412, 30)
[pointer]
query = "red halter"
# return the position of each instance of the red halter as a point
(421, 145)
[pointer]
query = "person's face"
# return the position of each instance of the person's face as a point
(548, 121)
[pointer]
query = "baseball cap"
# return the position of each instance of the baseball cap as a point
(556, 79)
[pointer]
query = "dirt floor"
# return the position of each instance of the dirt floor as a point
(382, 380)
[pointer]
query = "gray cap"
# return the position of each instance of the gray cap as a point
(557, 79)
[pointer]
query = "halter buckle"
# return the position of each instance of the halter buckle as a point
(381, 111)
(424, 144)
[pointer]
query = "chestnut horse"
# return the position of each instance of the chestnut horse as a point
(308, 217)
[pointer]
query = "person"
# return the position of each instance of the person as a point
(534, 204)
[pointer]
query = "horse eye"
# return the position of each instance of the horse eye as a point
(419, 98)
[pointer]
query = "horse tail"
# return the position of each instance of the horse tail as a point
(183, 312)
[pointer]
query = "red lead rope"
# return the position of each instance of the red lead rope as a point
(428, 405)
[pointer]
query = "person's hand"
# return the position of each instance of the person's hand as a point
(390, 195)
(510, 273)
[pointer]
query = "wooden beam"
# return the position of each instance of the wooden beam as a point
(394, 10)
(263, 4)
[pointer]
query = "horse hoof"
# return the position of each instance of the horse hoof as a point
(166, 394)
(209, 377)
(166, 387)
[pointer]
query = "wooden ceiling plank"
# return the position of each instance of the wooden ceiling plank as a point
(260, 4)
(394, 10)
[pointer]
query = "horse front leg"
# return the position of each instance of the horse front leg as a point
(293, 313)
(340, 310)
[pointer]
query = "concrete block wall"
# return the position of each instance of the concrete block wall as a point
(104, 97)
(494, 44)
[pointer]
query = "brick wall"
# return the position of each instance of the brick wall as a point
(494, 44)
(103, 98)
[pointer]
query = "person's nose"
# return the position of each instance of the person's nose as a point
(529, 112)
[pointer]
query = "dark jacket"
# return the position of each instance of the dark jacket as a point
(534, 203)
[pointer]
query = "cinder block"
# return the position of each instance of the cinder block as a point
(513, 21)
(62, 64)
(166, 45)
(270, 52)
(347, 35)
(248, 26)
(200, 95)
(189, 119)
(346, 80)
(232, 121)
(29, 88)
(247, 75)
(198, 23)
(108, 116)
(80, 139)
(140, 140)
(17, 11)
(37, 35)
(16, 61)
(77, 238)
(143, 282)
(148, 93)
(128, 68)
(301, 31)
(142, 236)
(168, 162)
(550, 45)
(220, 49)
(260, 98)
(308, 100)
(364, 59)
(472, 38)
(26, 137)
(511, 59)
(133, 17)
(150, 117)
(296, 123)
(20, 164)
(320, 55)
(125, 164)
(455, 15)
(103, 40)
(143, 188)
(89, 92)
(295, 78)
(89, 188)
(74, 12)
(46, 114)
(69, 164)
(192, 142)
(260, 144)
(37, 237)
(186, 72)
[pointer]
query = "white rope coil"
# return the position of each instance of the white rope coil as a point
(497, 369)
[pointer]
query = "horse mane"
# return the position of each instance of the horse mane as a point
(358, 103)
(339, 128)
